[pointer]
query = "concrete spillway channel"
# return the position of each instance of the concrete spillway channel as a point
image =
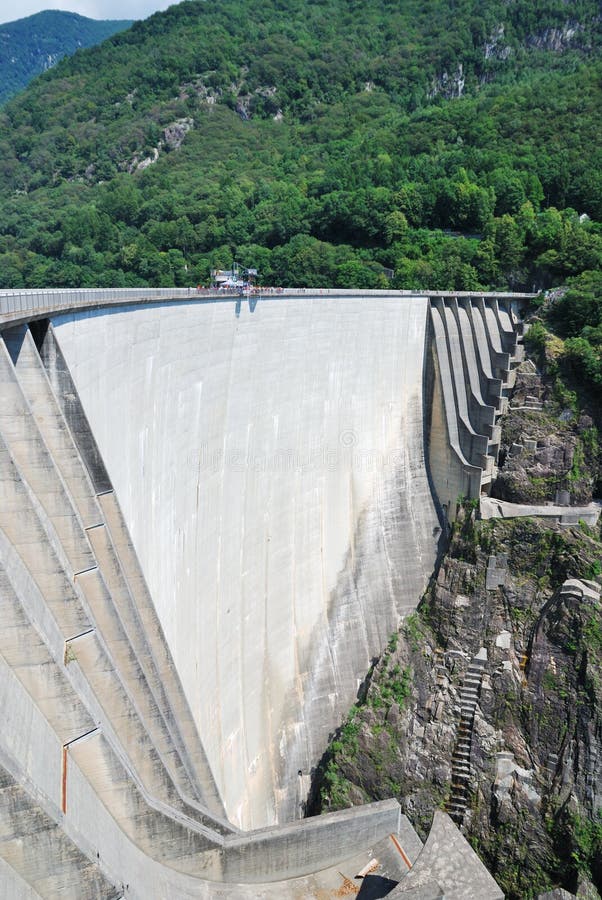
(215, 510)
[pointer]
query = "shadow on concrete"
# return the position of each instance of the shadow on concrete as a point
(375, 886)
(252, 304)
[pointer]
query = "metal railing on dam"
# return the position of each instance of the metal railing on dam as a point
(20, 304)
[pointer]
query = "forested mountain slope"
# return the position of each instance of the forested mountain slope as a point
(32, 45)
(457, 144)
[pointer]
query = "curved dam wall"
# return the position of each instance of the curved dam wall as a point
(106, 786)
(269, 460)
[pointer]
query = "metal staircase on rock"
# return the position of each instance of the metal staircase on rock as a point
(469, 696)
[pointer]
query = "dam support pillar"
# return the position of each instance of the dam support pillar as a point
(472, 347)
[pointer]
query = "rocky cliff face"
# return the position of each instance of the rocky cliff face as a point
(547, 444)
(488, 702)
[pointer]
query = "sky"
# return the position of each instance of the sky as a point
(94, 9)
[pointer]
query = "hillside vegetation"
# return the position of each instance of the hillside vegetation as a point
(33, 45)
(324, 143)
(423, 145)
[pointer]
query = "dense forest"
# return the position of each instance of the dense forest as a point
(449, 144)
(456, 145)
(32, 45)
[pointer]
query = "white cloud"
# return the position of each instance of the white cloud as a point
(94, 9)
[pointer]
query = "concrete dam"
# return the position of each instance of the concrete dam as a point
(215, 511)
